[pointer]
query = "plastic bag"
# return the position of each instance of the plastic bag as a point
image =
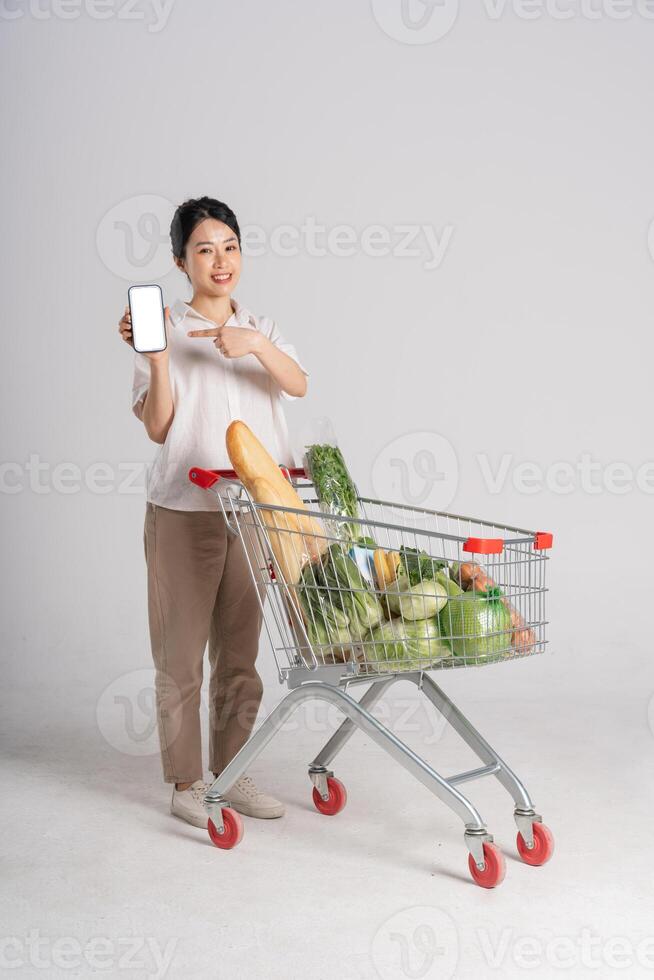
(327, 470)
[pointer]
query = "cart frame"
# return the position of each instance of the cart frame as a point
(331, 683)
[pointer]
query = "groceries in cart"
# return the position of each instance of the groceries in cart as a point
(334, 486)
(365, 591)
(349, 600)
(472, 577)
(295, 537)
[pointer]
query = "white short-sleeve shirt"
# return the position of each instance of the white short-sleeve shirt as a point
(210, 391)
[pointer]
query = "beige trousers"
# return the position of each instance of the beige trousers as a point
(200, 589)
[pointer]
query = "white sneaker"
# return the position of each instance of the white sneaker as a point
(188, 804)
(245, 797)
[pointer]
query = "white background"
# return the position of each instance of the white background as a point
(531, 141)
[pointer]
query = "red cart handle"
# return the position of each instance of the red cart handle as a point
(207, 478)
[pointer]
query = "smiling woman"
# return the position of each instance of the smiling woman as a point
(222, 363)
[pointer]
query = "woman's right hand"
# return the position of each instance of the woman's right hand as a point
(125, 331)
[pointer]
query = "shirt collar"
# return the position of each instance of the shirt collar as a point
(241, 317)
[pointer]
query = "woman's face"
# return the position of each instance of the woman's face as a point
(212, 259)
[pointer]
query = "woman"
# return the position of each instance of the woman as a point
(221, 363)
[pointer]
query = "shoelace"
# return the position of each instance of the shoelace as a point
(247, 786)
(199, 792)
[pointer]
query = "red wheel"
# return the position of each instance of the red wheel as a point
(543, 848)
(233, 830)
(494, 869)
(337, 797)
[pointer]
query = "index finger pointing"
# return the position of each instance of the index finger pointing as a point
(213, 332)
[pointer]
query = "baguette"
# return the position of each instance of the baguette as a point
(286, 542)
(286, 546)
(252, 462)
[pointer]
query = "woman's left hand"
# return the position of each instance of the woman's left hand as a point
(231, 341)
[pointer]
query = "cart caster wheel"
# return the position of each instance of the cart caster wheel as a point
(233, 832)
(543, 848)
(493, 872)
(337, 797)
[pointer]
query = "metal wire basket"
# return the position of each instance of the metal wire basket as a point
(347, 597)
(458, 591)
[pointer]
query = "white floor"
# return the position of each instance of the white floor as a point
(90, 852)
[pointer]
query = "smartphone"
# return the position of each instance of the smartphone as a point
(148, 324)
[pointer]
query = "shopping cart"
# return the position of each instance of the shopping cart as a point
(337, 628)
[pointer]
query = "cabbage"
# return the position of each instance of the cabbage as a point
(450, 586)
(397, 645)
(477, 625)
(326, 624)
(338, 606)
(420, 601)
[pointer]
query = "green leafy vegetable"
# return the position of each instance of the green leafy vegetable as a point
(349, 591)
(339, 608)
(398, 645)
(419, 601)
(451, 587)
(417, 592)
(419, 566)
(334, 486)
(365, 542)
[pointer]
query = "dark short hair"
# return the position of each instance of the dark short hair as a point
(189, 215)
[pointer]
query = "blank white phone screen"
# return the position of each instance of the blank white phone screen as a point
(148, 329)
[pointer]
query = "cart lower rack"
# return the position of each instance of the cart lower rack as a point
(395, 594)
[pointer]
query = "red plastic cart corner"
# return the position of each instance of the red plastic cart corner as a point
(484, 546)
